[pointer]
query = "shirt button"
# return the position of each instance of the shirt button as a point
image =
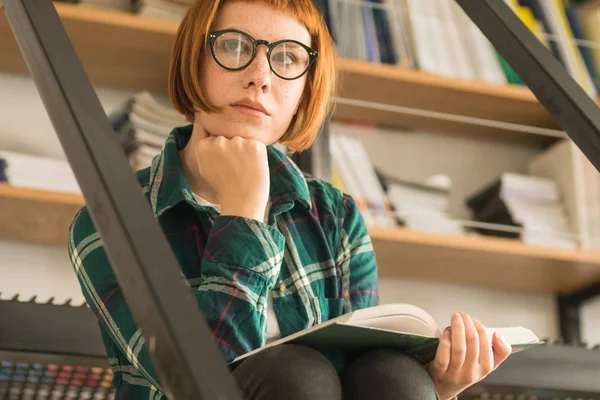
(281, 287)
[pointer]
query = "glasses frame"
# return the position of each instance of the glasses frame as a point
(213, 36)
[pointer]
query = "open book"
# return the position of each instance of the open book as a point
(401, 326)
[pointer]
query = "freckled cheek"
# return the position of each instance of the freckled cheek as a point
(217, 83)
(287, 98)
(217, 89)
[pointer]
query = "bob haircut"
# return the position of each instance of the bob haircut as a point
(321, 85)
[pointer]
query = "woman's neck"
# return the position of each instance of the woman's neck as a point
(190, 167)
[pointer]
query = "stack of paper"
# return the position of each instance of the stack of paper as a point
(24, 170)
(146, 122)
(532, 205)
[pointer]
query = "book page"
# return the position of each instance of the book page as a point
(400, 318)
(399, 323)
(515, 335)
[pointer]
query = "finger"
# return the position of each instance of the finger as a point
(472, 341)
(442, 355)
(459, 346)
(502, 349)
(486, 355)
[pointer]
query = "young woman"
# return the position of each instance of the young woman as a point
(267, 250)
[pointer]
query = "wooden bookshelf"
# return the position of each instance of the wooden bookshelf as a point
(41, 216)
(124, 50)
(483, 261)
(116, 48)
(36, 216)
(390, 85)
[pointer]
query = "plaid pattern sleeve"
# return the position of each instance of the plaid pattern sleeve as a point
(356, 260)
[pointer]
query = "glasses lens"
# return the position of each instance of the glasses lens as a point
(289, 59)
(233, 50)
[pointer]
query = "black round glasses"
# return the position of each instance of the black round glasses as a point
(235, 50)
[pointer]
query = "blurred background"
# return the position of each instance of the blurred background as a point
(475, 199)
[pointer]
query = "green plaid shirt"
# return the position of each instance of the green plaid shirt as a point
(314, 255)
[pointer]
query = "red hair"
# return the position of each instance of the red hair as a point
(321, 85)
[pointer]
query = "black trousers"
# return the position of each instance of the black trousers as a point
(294, 372)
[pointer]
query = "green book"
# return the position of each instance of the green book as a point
(511, 76)
(401, 326)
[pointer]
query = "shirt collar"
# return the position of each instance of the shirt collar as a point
(169, 187)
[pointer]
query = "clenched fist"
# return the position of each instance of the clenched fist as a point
(238, 171)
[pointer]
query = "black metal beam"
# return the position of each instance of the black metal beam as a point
(187, 360)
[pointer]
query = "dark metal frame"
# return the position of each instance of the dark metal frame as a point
(187, 360)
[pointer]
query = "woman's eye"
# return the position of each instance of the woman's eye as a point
(284, 58)
(234, 46)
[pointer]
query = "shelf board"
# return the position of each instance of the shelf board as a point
(125, 50)
(483, 261)
(41, 216)
(116, 48)
(390, 85)
(36, 216)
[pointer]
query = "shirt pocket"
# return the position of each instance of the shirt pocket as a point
(329, 307)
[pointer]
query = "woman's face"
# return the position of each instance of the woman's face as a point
(256, 85)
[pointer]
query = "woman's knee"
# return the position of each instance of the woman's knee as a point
(387, 374)
(288, 372)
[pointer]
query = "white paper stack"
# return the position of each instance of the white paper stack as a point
(527, 207)
(152, 122)
(578, 182)
(30, 171)
(423, 207)
(357, 176)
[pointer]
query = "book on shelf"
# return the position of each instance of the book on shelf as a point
(422, 206)
(355, 175)
(384, 200)
(436, 36)
(578, 182)
(143, 125)
(532, 205)
(37, 172)
(405, 327)
(431, 35)
(3, 177)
